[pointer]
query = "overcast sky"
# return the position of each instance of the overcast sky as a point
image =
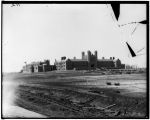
(49, 31)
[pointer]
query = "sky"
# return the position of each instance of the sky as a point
(34, 32)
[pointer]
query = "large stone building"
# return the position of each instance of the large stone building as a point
(38, 67)
(88, 62)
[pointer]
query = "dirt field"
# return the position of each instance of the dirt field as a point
(81, 95)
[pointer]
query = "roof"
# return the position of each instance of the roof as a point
(35, 63)
(58, 61)
(78, 60)
(74, 60)
(105, 60)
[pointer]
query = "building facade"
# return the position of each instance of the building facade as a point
(88, 62)
(38, 67)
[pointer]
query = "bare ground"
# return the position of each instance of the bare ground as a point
(78, 95)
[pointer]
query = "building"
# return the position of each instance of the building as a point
(88, 62)
(38, 67)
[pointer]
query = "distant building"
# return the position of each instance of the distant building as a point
(88, 62)
(131, 67)
(38, 67)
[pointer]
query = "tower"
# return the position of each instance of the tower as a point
(89, 59)
(96, 57)
(89, 56)
(83, 55)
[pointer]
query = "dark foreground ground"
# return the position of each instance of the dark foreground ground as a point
(81, 95)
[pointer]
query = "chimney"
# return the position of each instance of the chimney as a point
(63, 58)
